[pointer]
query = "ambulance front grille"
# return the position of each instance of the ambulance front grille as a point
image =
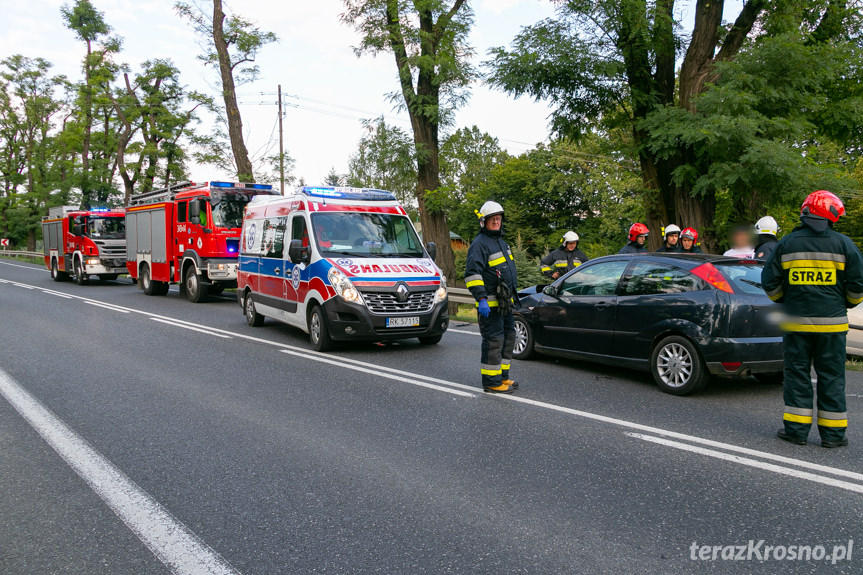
(387, 302)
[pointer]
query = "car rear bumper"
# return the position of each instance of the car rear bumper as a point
(743, 356)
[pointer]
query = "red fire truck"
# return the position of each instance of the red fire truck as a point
(189, 234)
(84, 243)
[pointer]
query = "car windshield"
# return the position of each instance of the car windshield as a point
(105, 228)
(228, 208)
(365, 235)
(745, 277)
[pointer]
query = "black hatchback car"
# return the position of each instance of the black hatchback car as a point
(681, 316)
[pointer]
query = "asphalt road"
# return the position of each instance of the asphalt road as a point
(152, 435)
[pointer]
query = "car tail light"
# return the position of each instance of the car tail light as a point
(731, 366)
(713, 276)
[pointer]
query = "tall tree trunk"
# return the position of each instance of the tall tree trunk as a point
(232, 111)
(88, 126)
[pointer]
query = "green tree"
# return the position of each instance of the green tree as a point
(333, 178)
(612, 62)
(428, 39)
(385, 160)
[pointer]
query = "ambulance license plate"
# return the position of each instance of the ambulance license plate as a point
(412, 321)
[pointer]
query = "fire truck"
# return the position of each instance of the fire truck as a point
(84, 243)
(189, 234)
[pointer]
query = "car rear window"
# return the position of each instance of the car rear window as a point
(649, 278)
(744, 277)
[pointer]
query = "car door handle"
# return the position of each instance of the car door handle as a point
(602, 305)
(278, 271)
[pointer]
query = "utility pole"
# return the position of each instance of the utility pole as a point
(281, 146)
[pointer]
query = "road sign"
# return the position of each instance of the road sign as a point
(4, 242)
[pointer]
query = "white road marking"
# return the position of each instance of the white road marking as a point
(376, 369)
(463, 331)
(751, 462)
(166, 536)
(107, 306)
(176, 324)
(35, 269)
(56, 293)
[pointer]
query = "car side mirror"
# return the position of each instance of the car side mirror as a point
(550, 290)
(431, 248)
(299, 253)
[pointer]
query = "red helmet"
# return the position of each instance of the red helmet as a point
(636, 230)
(823, 204)
(690, 233)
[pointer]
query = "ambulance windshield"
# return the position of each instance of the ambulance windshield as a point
(366, 235)
(105, 228)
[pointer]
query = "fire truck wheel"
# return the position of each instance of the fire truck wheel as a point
(253, 318)
(80, 276)
(215, 289)
(162, 288)
(56, 274)
(196, 292)
(147, 283)
(107, 277)
(319, 331)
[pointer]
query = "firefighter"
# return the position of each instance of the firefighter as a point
(565, 258)
(767, 229)
(637, 238)
(490, 275)
(671, 239)
(816, 273)
(689, 241)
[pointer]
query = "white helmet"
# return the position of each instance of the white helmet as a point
(767, 225)
(670, 229)
(489, 208)
(570, 237)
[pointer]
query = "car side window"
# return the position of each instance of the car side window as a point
(598, 279)
(299, 231)
(650, 278)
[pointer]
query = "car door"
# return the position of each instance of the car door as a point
(297, 274)
(580, 315)
(657, 293)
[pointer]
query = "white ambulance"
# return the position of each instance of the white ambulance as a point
(341, 264)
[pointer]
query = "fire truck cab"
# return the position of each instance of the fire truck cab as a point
(189, 234)
(340, 264)
(83, 243)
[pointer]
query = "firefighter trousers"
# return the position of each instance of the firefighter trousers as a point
(498, 340)
(826, 351)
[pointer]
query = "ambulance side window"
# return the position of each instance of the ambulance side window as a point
(181, 211)
(274, 237)
(299, 231)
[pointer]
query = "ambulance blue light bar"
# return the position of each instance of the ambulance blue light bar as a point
(362, 194)
(100, 209)
(238, 185)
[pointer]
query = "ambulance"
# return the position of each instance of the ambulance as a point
(341, 264)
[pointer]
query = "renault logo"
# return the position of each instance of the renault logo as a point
(402, 293)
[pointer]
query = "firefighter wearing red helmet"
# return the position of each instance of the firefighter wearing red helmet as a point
(689, 241)
(637, 240)
(816, 273)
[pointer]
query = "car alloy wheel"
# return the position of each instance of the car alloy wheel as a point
(520, 338)
(674, 365)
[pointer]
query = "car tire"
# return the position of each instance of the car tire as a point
(523, 348)
(774, 378)
(196, 291)
(430, 339)
(146, 283)
(319, 331)
(253, 318)
(677, 366)
(80, 277)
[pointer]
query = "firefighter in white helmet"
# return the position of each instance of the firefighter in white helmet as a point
(566, 257)
(767, 231)
(490, 276)
(670, 239)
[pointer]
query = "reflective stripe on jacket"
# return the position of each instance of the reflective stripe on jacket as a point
(487, 255)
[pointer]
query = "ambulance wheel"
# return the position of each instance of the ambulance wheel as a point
(319, 331)
(253, 318)
(148, 286)
(80, 276)
(677, 366)
(107, 277)
(430, 339)
(196, 291)
(56, 274)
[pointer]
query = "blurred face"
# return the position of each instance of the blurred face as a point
(686, 243)
(494, 222)
(740, 239)
(671, 239)
(640, 239)
(570, 246)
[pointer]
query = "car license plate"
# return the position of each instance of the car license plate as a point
(412, 321)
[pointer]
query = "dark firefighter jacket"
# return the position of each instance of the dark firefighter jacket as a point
(487, 256)
(633, 248)
(562, 260)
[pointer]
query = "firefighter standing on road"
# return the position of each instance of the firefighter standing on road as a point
(565, 258)
(817, 273)
(637, 240)
(490, 276)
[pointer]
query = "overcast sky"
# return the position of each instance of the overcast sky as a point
(332, 89)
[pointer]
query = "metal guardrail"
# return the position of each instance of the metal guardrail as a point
(20, 253)
(460, 295)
